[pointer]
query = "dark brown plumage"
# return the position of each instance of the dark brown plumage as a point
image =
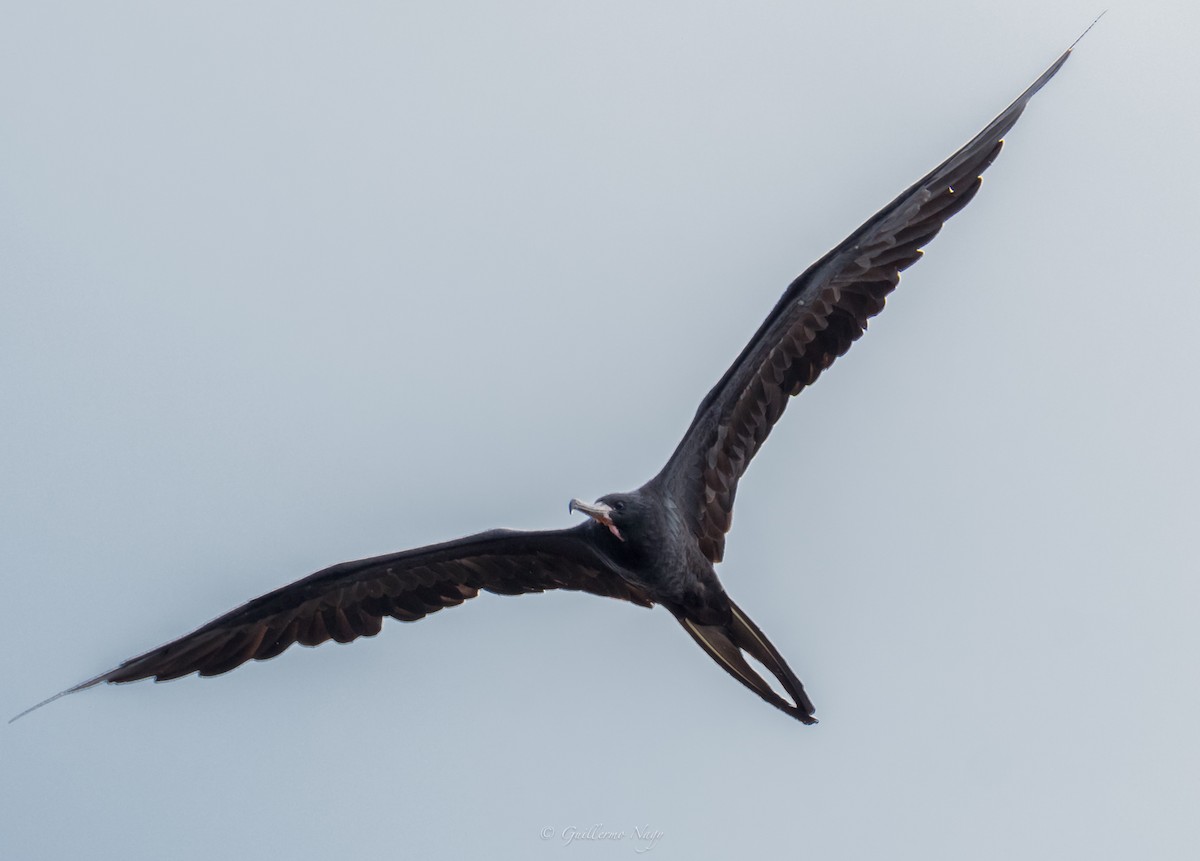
(350, 600)
(658, 544)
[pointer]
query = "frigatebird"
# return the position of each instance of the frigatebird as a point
(659, 543)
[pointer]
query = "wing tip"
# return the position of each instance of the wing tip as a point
(82, 686)
(1058, 64)
(1087, 30)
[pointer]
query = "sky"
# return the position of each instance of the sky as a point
(284, 284)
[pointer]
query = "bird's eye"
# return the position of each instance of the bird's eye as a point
(619, 506)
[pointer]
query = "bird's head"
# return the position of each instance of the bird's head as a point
(623, 514)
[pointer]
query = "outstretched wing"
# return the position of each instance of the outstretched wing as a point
(822, 313)
(350, 600)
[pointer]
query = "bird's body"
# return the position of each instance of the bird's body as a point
(655, 549)
(660, 543)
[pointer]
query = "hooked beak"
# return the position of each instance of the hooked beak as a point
(599, 512)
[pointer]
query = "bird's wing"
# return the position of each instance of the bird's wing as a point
(819, 316)
(350, 600)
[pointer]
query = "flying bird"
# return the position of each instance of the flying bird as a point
(658, 544)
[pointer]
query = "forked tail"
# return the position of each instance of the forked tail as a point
(725, 643)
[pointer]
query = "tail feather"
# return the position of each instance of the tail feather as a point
(725, 644)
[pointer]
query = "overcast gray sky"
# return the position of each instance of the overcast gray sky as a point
(285, 284)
